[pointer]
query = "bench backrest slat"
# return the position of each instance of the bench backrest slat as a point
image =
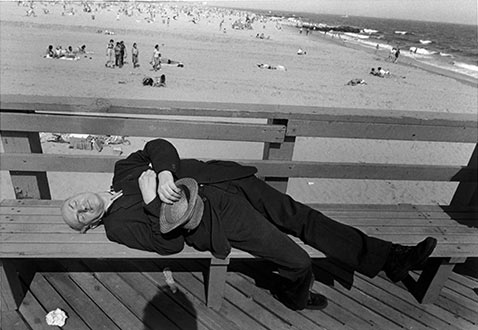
(273, 168)
(385, 131)
(150, 127)
(74, 105)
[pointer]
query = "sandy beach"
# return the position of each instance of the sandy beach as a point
(221, 66)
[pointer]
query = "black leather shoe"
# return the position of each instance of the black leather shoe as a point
(402, 259)
(316, 301)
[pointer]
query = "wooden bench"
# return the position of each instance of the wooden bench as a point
(31, 225)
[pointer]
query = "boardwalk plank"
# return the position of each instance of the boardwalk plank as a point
(463, 285)
(457, 309)
(193, 281)
(457, 303)
(377, 303)
(132, 299)
(89, 311)
(350, 300)
(34, 313)
(249, 306)
(304, 319)
(247, 286)
(205, 315)
(50, 299)
(159, 300)
(105, 299)
(402, 311)
(13, 321)
(342, 309)
(434, 310)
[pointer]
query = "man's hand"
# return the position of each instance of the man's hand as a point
(148, 184)
(167, 191)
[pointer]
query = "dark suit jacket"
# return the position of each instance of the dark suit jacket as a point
(131, 222)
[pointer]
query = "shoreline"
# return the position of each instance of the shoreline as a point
(383, 54)
(222, 67)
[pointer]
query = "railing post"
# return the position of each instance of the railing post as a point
(26, 185)
(279, 151)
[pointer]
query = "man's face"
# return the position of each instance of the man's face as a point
(83, 210)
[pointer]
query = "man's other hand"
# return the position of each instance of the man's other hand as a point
(167, 191)
(148, 184)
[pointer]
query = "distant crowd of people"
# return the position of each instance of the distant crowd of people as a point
(116, 55)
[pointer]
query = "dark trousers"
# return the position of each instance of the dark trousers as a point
(256, 218)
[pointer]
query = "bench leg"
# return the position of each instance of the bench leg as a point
(436, 272)
(216, 282)
(11, 288)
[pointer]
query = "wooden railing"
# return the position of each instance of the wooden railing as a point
(23, 117)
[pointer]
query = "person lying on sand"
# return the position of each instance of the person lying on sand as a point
(356, 81)
(271, 67)
(380, 72)
(173, 63)
(301, 52)
(160, 81)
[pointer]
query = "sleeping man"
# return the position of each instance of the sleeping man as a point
(159, 202)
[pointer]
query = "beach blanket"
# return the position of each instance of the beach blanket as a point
(68, 58)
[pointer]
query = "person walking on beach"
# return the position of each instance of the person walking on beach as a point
(397, 53)
(391, 56)
(156, 60)
(122, 53)
(134, 55)
(110, 54)
(117, 51)
(158, 202)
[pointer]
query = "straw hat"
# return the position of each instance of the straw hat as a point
(186, 212)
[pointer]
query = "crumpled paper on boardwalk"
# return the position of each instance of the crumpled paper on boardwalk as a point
(56, 318)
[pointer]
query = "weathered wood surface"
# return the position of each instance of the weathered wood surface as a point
(150, 127)
(274, 168)
(134, 295)
(19, 103)
(38, 231)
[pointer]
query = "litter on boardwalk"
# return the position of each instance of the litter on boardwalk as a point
(168, 276)
(56, 317)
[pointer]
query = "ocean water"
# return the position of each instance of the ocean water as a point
(449, 46)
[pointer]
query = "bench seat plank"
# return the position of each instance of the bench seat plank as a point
(113, 250)
(68, 238)
(58, 227)
(35, 229)
(26, 225)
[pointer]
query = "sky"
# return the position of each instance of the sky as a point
(449, 11)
